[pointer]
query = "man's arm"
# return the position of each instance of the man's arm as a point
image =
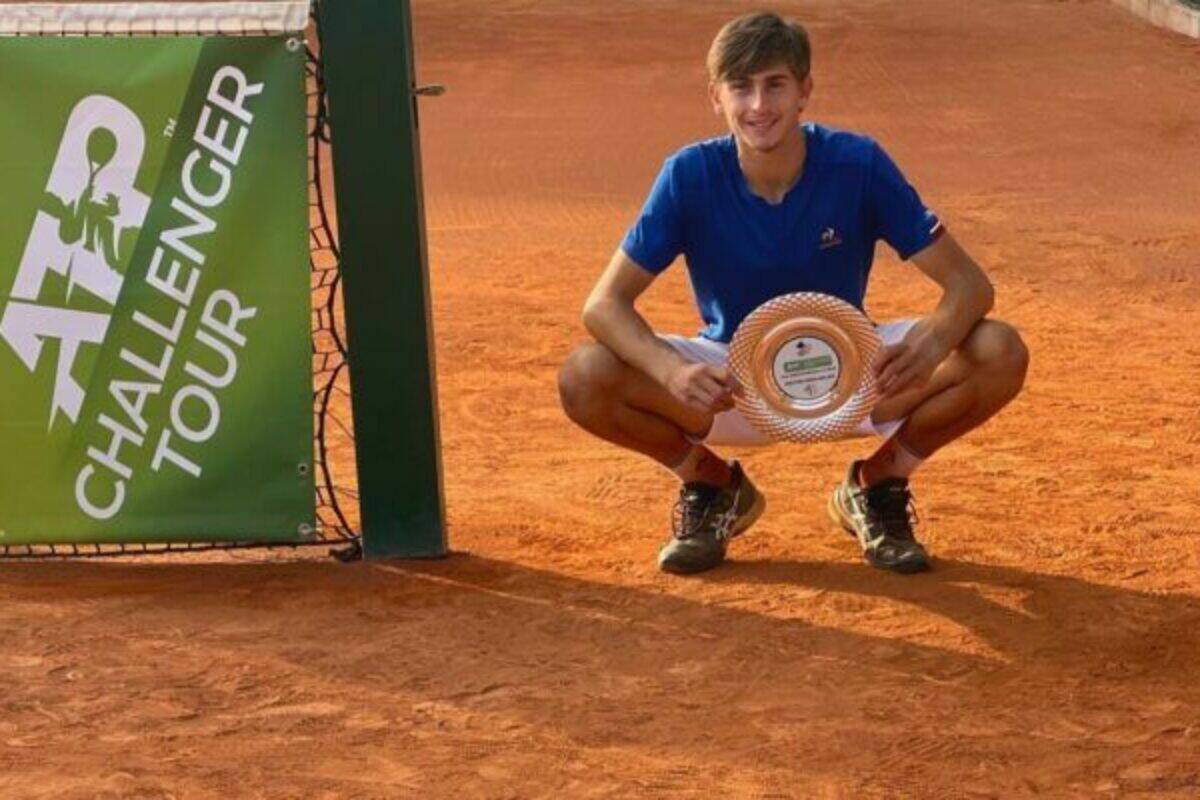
(967, 295)
(609, 316)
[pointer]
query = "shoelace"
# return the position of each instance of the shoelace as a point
(692, 509)
(893, 506)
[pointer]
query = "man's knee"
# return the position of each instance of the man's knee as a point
(587, 379)
(998, 351)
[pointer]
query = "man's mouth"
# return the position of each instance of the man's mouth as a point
(759, 126)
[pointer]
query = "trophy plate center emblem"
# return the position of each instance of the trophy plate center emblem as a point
(803, 362)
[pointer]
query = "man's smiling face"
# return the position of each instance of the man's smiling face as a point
(762, 109)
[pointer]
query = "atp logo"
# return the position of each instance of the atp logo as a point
(89, 213)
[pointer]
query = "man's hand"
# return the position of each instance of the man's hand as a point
(909, 363)
(967, 296)
(702, 386)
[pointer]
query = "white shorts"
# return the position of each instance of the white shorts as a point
(731, 428)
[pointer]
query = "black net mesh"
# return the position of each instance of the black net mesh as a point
(336, 478)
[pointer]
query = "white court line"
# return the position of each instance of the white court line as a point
(555, 605)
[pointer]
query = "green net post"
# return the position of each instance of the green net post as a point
(366, 47)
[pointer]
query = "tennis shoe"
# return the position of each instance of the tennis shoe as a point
(705, 518)
(881, 517)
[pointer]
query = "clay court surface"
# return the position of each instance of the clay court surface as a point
(1054, 651)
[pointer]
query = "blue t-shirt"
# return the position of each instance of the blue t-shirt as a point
(742, 251)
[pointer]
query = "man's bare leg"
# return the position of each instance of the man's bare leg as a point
(621, 404)
(616, 402)
(979, 378)
(982, 376)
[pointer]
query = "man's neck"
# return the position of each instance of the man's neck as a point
(771, 175)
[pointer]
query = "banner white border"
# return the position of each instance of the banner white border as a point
(132, 18)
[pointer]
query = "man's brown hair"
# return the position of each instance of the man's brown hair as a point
(755, 42)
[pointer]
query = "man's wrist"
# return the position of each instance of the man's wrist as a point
(666, 363)
(944, 333)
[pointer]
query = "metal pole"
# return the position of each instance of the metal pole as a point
(366, 52)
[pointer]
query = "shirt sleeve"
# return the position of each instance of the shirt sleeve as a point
(897, 214)
(656, 238)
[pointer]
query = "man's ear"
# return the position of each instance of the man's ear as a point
(714, 97)
(806, 88)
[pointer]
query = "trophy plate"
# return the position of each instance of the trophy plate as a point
(803, 362)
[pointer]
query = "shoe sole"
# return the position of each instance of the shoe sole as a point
(688, 569)
(839, 519)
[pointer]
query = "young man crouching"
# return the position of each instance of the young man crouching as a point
(752, 212)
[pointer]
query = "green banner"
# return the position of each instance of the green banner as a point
(155, 353)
